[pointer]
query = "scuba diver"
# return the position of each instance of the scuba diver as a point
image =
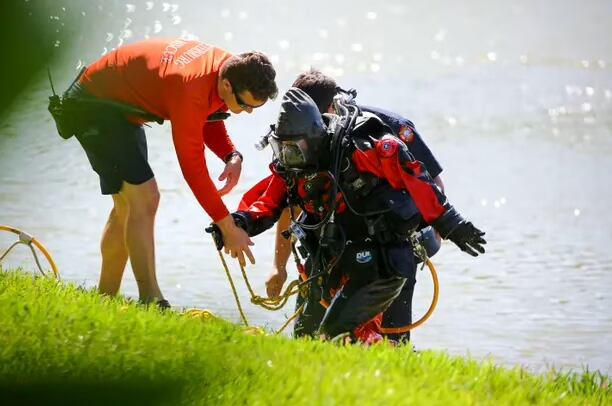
(396, 321)
(362, 195)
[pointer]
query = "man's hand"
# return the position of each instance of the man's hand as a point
(275, 282)
(236, 240)
(231, 174)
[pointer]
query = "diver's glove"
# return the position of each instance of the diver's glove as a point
(240, 219)
(216, 234)
(452, 226)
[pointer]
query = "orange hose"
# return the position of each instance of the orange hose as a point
(427, 315)
(36, 243)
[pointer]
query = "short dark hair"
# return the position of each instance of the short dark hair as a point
(251, 71)
(320, 87)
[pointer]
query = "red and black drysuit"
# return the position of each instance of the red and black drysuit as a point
(384, 195)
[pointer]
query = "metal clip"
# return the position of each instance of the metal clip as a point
(418, 248)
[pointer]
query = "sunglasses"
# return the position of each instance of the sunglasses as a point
(241, 103)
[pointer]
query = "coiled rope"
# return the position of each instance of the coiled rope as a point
(268, 303)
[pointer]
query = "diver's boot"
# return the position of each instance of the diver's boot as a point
(353, 307)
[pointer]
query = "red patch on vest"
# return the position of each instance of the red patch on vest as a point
(406, 134)
(387, 148)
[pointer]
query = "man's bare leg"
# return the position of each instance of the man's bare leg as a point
(114, 251)
(142, 202)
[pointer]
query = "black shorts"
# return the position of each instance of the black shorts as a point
(116, 148)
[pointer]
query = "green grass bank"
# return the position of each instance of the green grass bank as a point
(62, 345)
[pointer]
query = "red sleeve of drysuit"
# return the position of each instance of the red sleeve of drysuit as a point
(187, 124)
(391, 160)
(254, 193)
(216, 138)
(271, 201)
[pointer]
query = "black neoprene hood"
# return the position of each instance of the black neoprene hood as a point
(300, 133)
(299, 117)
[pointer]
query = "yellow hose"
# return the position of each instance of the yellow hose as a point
(27, 239)
(427, 315)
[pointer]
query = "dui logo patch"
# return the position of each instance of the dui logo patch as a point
(363, 257)
(406, 134)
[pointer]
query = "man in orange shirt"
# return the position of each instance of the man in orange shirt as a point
(189, 83)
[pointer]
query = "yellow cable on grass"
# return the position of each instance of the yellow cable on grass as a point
(30, 241)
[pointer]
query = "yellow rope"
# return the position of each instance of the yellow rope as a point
(290, 319)
(231, 281)
(199, 314)
(268, 303)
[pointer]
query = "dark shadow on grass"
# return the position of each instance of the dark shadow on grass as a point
(91, 392)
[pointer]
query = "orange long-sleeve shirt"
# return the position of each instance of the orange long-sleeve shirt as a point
(176, 80)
